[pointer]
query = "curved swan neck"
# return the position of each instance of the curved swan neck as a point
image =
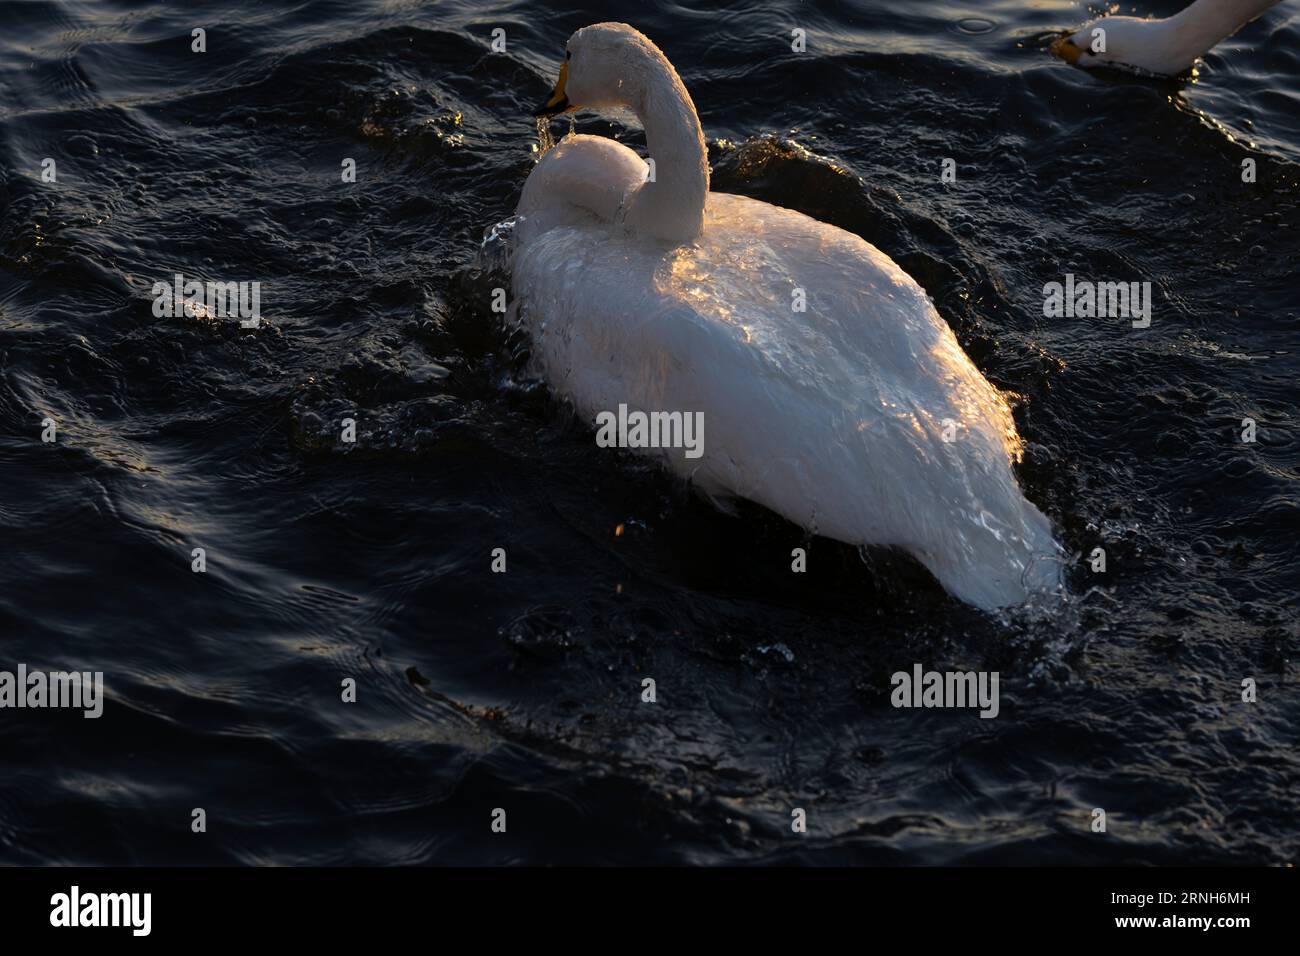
(1203, 24)
(671, 206)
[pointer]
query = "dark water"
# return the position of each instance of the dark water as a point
(328, 560)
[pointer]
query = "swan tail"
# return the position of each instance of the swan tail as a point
(995, 563)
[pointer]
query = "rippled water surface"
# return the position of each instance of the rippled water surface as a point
(328, 560)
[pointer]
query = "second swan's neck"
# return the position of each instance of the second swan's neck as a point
(670, 207)
(1203, 24)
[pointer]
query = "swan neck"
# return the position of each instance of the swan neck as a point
(671, 206)
(1206, 22)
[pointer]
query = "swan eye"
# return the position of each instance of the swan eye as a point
(568, 55)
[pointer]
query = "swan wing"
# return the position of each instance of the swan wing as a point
(582, 180)
(831, 390)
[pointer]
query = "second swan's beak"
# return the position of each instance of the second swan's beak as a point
(558, 102)
(1064, 48)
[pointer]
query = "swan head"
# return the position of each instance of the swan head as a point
(612, 66)
(1125, 43)
(602, 69)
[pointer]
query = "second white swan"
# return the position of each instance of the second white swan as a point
(831, 390)
(1165, 47)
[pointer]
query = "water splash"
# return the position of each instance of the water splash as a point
(546, 142)
(495, 250)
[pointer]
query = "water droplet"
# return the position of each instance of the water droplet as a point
(975, 25)
(544, 136)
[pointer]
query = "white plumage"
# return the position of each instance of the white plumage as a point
(834, 416)
(1166, 47)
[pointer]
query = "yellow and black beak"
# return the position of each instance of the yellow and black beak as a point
(558, 102)
(1064, 48)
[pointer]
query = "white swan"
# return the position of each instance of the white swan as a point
(1166, 47)
(664, 296)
